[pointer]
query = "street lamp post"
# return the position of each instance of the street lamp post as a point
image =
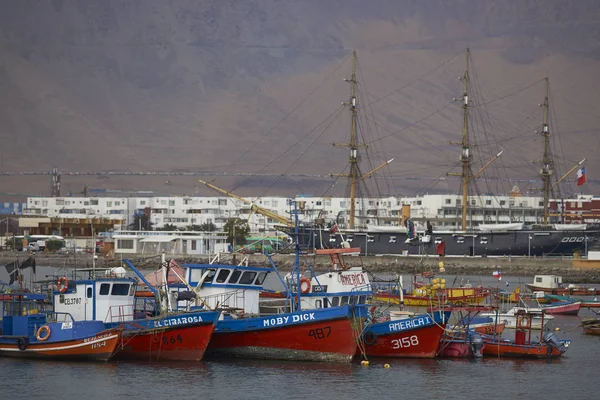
(529, 246)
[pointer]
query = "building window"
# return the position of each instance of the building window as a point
(448, 201)
(171, 203)
(194, 244)
(488, 202)
(502, 202)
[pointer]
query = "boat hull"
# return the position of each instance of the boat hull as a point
(593, 329)
(500, 349)
(563, 309)
(168, 338)
(456, 348)
(499, 243)
(565, 291)
(324, 335)
(99, 347)
(417, 337)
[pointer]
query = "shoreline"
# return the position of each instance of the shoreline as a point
(479, 266)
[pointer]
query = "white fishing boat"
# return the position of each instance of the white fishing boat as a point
(509, 318)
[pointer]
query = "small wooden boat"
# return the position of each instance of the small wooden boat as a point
(522, 346)
(563, 308)
(553, 284)
(27, 332)
(592, 329)
(585, 303)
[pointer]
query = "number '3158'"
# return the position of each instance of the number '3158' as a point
(405, 342)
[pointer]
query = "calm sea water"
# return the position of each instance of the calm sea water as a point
(574, 376)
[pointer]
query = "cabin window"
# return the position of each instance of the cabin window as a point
(538, 280)
(362, 299)
(104, 289)
(235, 276)
(247, 277)
(318, 304)
(335, 301)
(352, 299)
(222, 276)
(120, 289)
(344, 300)
(325, 302)
(89, 293)
(260, 278)
(210, 276)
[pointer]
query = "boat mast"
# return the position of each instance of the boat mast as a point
(465, 156)
(546, 170)
(354, 174)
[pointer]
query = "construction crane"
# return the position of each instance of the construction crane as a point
(253, 207)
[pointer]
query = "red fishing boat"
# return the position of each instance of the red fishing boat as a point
(563, 308)
(150, 330)
(405, 336)
(522, 345)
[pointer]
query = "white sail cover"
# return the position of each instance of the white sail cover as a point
(570, 227)
(386, 229)
(517, 226)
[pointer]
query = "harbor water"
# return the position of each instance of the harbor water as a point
(574, 376)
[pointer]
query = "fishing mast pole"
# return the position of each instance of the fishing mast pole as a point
(465, 156)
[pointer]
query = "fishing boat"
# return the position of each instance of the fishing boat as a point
(29, 331)
(404, 335)
(150, 331)
(553, 284)
(286, 331)
(592, 329)
(431, 292)
(585, 303)
(568, 307)
(509, 318)
(522, 346)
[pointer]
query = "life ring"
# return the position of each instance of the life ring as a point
(43, 333)
(304, 285)
(63, 284)
(369, 338)
(22, 344)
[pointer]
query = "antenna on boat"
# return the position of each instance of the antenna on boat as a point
(464, 155)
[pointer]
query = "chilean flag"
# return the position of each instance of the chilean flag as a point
(497, 274)
(581, 179)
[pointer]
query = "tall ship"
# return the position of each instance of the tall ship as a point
(547, 236)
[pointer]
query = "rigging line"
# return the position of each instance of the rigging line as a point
(266, 135)
(448, 60)
(508, 95)
(305, 151)
(415, 123)
(335, 114)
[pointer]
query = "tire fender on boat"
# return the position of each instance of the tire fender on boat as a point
(43, 333)
(370, 338)
(22, 344)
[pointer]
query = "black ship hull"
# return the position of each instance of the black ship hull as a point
(534, 243)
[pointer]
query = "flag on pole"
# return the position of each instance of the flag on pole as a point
(581, 179)
(497, 274)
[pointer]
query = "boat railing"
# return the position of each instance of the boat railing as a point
(235, 299)
(121, 313)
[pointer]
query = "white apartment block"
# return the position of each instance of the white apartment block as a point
(442, 210)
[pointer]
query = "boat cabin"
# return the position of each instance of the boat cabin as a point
(547, 281)
(21, 314)
(339, 286)
(223, 286)
(106, 299)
